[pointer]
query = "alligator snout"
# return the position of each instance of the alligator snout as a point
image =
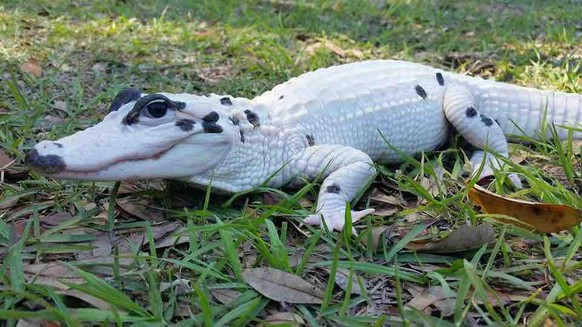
(48, 164)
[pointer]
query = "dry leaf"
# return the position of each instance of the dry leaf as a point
(310, 50)
(51, 274)
(342, 277)
(141, 209)
(446, 307)
(37, 323)
(46, 222)
(355, 53)
(9, 202)
(61, 105)
(284, 318)
(428, 297)
(177, 237)
(5, 160)
(519, 156)
(373, 236)
(412, 217)
(101, 247)
(282, 286)
(94, 301)
(462, 239)
(182, 286)
(542, 217)
(32, 67)
(385, 211)
(139, 238)
(224, 295)
(99, 67)
(379, 196)
(430, 185)
(54, 219)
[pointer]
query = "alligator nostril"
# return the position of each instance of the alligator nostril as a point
(45, 164)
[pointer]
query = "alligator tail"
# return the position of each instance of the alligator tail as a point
(523, 111)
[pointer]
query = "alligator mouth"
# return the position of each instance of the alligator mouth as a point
(55, 166)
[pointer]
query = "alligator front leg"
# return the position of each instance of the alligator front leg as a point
(477, 129)
(345, 171)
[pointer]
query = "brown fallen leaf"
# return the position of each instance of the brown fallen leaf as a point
(60, 105)
(101, 246)
(462, 239)
(32, 67)
(428, 297)
(9, 202)
(284, 319)
(541, 217)
(5, 160)
(182, 286)
(54, 219)
(46, 222)
(373, 236)
(140, 208)
(51, 274)
(446, 307)
(342, 277)
(125, 244)
(36, 323)
(282, 286)
(94, 301)
(310, 50)
(225, 295)
(379, 196)
(386, 211)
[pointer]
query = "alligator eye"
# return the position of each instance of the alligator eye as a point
(156, 109)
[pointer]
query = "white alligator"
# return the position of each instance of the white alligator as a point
(332, 123)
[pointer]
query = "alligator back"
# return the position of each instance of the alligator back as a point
(365, 104)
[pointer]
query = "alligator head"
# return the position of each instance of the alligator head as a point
(143, 137)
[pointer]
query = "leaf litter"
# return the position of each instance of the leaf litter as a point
(461, 239)
(282, 286)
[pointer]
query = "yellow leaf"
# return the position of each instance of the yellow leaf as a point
(542, 217)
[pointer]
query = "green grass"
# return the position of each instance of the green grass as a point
(116, 264)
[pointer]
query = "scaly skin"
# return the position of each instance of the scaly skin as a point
(331, 123)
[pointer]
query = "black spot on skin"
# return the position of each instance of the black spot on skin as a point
(486, 120)
(310, 140)
(47, 164)
(242, 136)
(58, 144)
(124, 96)
(334, 188)
(234, 121)
(281, 97)
(226, 101)
(537, 210)
(211, 117)
(471, 112)
(421, 92)
(211, 127)
(440, 79)
(253, 118)
(185, 124)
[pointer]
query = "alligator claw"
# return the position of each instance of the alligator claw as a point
(335, 221)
